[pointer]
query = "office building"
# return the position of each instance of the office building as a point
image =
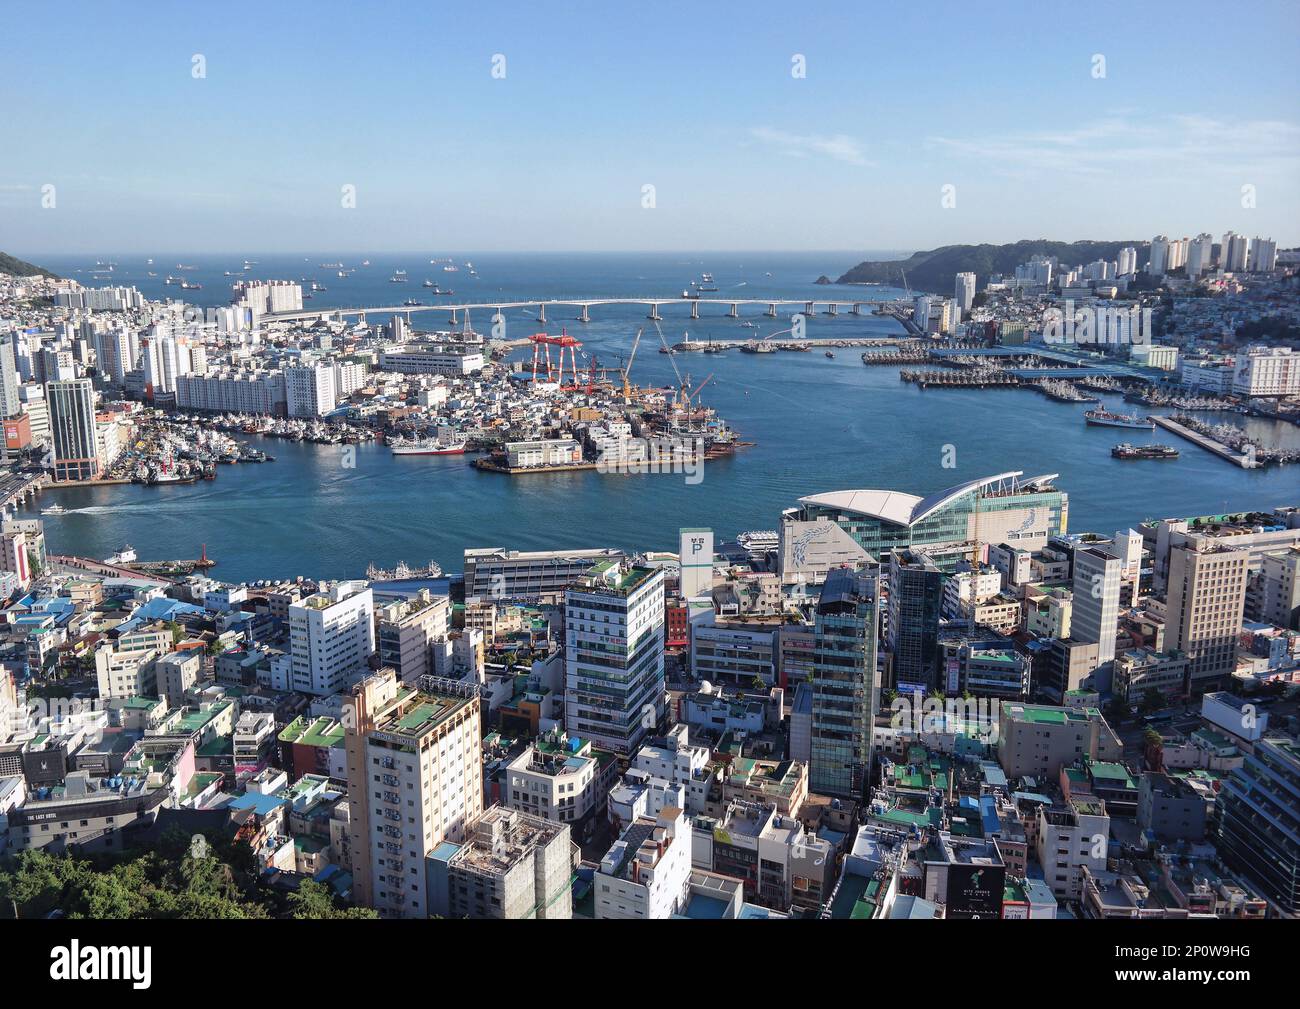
(528, 575)
(614, 655)
(1039, 739)
(844, 683)
(1206, 600)
(1259, 822)
(1094, 614)
(405, 630)
(331, 637)
(72, 423)
(912, 630)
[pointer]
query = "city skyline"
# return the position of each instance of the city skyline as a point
(469, 130)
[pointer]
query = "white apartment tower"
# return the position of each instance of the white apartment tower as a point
(331, 637)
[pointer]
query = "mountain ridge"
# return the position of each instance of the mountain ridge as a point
(935, 271)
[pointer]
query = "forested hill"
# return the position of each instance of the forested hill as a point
(936, 271)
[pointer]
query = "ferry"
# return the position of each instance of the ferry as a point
(1104, 418)
(427, 446)
(54, 509)
(1127, 451)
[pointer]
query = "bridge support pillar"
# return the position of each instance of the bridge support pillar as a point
(654, 315)
(832, 309)
(362, 318)
(807, 308)
(695, 309)
(583, 317)
(541, 314)
(735, 311)
(857, 308)
(454, 318)
(771, 310)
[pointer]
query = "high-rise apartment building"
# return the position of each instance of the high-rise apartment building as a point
(406, 629)
(1259, 821)
(964, 293)
(415, 779)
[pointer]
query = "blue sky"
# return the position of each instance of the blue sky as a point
(997, 100)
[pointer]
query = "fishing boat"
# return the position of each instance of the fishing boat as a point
(1104, 418)
(427, 446)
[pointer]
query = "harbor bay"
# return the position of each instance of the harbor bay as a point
(816, 424)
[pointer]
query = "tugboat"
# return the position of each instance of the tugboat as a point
(1127, 451)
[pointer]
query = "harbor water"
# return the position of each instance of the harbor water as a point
(818, 424)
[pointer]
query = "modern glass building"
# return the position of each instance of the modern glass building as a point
(1259, 821)
(997, 509)
(912, 630)
(844, 687)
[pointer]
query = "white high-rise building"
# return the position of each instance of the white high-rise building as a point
(965, 291)
(1200, 255)
(614, 655)
(1232, 252)
(331, 637)
(10, 404)
(1263, 255)
(1095, 614)
(309, 390)
(1127, 263)
(1158, 260)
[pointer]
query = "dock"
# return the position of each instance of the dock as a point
(496, 467)
(1246, 460)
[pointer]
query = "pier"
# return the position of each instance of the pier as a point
(1246, 460)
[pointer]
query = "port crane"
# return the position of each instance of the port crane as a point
(627, 388)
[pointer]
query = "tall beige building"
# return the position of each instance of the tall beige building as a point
(415, 779)
(1206, 597)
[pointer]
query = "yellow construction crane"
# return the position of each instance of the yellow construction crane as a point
(627, 388)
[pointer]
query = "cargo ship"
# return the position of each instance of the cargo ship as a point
(1127, 451)
(428, 446)
(1104, 418)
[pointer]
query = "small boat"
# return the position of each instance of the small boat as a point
(1127, 451)
(54, 509)
(830, 355)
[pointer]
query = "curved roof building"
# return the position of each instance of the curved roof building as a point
(848, 526)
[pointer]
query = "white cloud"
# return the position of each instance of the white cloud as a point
(1132, 144)
(840, 146)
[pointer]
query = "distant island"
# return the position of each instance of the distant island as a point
(15, 267)
(936, 271)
